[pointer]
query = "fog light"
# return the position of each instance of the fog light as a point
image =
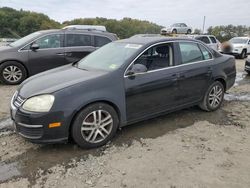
(53, 125)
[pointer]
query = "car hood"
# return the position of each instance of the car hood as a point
(56, 79)
(5, 48)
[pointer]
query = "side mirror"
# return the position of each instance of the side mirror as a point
(137, 68)
(34, 46)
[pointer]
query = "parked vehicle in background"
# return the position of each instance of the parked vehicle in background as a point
(247, 66)
(44, 50)
(237, 46)
(177, 28)
(124, 82)
(209, 40)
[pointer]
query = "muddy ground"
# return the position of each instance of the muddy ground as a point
(189, 148)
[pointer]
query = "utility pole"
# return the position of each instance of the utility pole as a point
(204, 22)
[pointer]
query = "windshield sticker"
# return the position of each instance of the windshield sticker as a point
(134, 46)
(112, 66)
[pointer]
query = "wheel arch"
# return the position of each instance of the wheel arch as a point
(112, 104)
(27, 70)
(223, 81)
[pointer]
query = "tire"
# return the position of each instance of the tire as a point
(210, 103)
(12, 73)
(174, 31)
(248, 72)
(243, 54)
(87, 132)
(189, 32)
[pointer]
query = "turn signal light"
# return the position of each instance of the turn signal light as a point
(53, 125)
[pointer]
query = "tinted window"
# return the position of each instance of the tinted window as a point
(190, 52)
(78, 40)
(50, 41)
(101, 41)
(203, 39)
(157, 57)
(213, 39)
(206, 54)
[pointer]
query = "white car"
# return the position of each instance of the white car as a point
(177, 28)
(209, 40)
(239, 46)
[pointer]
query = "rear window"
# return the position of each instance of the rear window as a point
(101, 41)
(78, 40)
(190, 52)
(213, 40)
(203, 39)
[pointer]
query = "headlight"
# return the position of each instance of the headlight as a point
(41, 103)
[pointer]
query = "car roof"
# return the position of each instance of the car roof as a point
(75, 31)
(152, 40)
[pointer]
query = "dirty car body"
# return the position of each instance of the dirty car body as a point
(134, 93)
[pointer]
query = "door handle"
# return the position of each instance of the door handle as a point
(60, 54)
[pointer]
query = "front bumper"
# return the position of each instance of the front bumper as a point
(35, 126)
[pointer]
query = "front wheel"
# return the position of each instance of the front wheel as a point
(213, 97)
(95, 125)
(189, 32)
(243, 54)
(12, 73)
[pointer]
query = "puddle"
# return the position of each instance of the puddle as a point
(6, 125)
(242, 78)
(48, 156)
(8, 171)
(237, 97)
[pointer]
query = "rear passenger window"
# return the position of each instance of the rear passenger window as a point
(203, 39)
(78, 40)
(213, 40)
(101, 41)
(206, 54)
(190, 52)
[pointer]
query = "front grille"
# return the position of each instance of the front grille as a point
(29, 132)
(18, 101)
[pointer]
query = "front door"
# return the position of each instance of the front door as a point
(153, 91)
(50, 53)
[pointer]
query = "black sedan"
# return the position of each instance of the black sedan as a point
(121, 83)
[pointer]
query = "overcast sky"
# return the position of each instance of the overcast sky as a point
(162, 12)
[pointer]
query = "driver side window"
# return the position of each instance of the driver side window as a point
(49, 41)
(157, 57)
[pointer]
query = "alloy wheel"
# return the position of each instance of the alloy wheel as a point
(12, 73)
(215, 96)
(97, 126)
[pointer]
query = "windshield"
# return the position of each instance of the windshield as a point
(24, 40)
(238, 41)
(109, 57)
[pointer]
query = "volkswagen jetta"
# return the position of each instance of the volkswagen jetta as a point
(119, 84)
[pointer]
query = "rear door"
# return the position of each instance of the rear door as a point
(195, 71)
(49, 55)
(77, 46)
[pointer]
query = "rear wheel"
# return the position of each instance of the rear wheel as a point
(243, 54)
(12, 73)
(189, 31)
(213, 97)
(95, 125)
